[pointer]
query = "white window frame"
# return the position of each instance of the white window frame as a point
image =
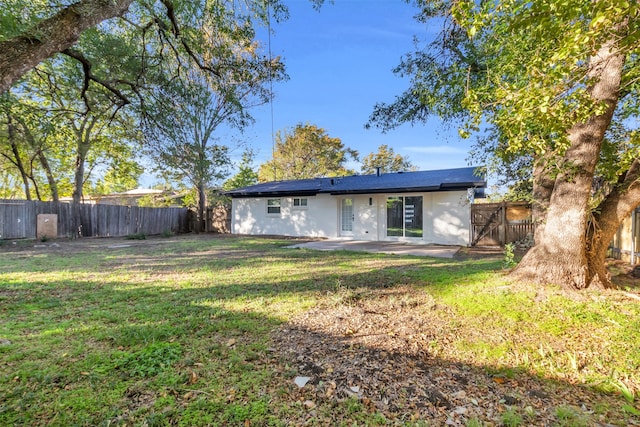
(300, 205)
(273, 206)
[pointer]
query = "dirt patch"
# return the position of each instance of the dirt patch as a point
(85, 244)
(386, 351)
(480, 252)
(624, 275)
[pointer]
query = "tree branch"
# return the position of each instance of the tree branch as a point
(52, 35)
(89, 76)
(175, 30)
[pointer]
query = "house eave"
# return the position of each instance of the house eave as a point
(244, 195)
(428, 189)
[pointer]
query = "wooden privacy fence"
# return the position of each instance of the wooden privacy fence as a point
(626, 243)
(496, 224)
(18, 219)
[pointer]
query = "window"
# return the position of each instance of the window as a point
(300, 202)
(273, 206)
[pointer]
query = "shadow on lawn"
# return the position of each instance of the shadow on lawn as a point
(96, 351)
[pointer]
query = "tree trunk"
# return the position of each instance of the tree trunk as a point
(78, 182)
(560, 256)
(52, 35)
(44, 162)
(612, 211)
(17, 158)
(202, 207)
(53, 185)
(83, 135)
(36, 188)
(542, 191)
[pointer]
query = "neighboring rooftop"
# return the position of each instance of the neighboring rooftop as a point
(397, 182)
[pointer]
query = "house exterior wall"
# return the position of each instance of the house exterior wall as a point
(446, 217)
(318, 219)
(626, 242)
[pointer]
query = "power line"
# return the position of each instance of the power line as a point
(273, 143)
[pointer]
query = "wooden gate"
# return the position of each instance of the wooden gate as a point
(496, 224)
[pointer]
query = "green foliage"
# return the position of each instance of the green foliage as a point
(387, 160)
(631, 409)
(151, 360)
(511, 418)
(89, 104)
(518, 71)
(623, 389)
(509, 260)
(246, 175)
(138, 236)
(474, 422)
(306, 152)
(570, 417)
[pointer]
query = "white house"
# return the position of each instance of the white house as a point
(420, 207)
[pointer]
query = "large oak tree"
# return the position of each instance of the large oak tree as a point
(557, 83)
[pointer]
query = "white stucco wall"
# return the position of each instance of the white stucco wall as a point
(365, 223)
(318, 219)
(446, 217)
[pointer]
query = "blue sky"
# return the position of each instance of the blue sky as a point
(340, 62)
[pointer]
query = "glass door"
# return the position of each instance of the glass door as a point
(346, 217)
(413, 216)
(404, 216)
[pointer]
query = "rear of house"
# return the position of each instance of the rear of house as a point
(420, 207)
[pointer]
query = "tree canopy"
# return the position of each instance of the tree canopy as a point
(556, 85)
(306, 151)
(246, 174)
(100, 70)
(387, 160)
(32, 32)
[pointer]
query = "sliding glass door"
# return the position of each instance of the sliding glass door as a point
(404, 216)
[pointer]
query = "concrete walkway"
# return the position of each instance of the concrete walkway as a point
(396, 248)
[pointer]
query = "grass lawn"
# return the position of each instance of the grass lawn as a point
(205, 330)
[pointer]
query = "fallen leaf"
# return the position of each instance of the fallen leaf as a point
(193, 378)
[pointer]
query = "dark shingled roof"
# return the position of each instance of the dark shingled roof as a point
(398, 182)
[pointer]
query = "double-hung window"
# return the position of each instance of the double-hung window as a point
(273, 206)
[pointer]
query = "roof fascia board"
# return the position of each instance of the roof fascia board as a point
(272, 194)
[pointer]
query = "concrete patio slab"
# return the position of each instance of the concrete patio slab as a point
(396, 248)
